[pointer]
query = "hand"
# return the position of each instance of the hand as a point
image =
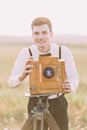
(66, 86)
(27, 69)
(28, 66)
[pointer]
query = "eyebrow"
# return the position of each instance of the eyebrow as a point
(36, 32)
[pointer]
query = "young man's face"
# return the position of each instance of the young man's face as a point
(41, 35)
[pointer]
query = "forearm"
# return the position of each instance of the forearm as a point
(74, 84)
(22, 77)
(14, 81)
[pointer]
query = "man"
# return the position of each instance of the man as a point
(42, 34)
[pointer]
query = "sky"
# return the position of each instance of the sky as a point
(67, 16)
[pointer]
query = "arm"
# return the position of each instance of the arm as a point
(72, 82)
(20, 69)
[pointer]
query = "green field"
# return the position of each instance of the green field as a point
(13, 103)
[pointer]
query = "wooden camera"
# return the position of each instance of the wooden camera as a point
(47, 76)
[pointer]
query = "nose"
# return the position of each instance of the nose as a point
(40, 36)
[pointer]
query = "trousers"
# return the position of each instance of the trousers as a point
(58, 109)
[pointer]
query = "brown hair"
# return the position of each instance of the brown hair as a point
(41, 21)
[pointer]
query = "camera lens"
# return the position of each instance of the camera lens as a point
(48, 72)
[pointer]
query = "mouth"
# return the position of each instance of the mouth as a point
(41, 41)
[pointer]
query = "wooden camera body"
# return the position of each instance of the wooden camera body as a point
(47, 76)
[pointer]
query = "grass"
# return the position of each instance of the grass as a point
(13, 103)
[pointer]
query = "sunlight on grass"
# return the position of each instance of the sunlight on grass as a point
(13, 103)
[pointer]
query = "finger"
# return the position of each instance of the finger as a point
(29, 60)
(66, 82)
(27, 67)
(27, 72)
(66, 85)
(67, 89)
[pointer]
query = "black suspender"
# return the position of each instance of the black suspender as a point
(30, 52)
(59, 52)
(49, 55)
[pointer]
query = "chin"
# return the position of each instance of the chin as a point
(42, 44)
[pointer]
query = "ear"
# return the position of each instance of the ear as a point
(51, 34)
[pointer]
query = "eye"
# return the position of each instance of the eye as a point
(36, 33)
(44, 32)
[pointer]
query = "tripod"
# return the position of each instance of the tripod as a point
(40, 113)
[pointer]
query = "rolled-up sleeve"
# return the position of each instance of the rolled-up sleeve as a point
(71, 70)
(18, 68)
(14, 81)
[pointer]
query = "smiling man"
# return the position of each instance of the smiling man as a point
(42, 33)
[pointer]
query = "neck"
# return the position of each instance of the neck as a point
(44, 49)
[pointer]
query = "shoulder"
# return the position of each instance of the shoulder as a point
(33, 47)
(54, 45)
(24, 50)
(66, 52)
(65, 49)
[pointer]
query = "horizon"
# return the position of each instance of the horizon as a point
(60, 39)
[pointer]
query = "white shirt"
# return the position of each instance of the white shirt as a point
(71, 71)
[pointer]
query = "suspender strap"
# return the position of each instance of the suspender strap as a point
(49, 55)
(59, 52)
(30, 52)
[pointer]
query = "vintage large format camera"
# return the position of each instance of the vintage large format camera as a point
(47, 76)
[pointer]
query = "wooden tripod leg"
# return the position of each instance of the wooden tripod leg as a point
(38, 125)
(50, 121)
(28, 125)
